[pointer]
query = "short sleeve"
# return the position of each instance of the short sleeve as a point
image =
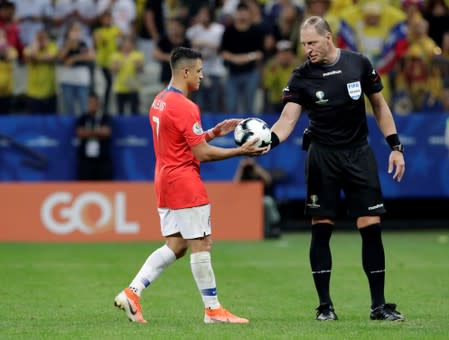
(191, 126)
(371, 82)
(292, 92)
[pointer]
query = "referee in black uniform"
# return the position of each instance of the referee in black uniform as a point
(331, 86)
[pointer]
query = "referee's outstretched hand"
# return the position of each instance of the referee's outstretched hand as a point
(396, 162)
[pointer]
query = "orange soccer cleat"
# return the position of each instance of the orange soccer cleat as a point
(129, 302)
(221, 315)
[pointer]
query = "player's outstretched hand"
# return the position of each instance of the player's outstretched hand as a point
(250, 148)
(396, 162)
(226, 126)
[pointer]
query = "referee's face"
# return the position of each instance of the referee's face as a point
(316, 46)
(194, 75)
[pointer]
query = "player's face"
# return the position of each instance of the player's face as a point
(195, 75)
(316, 46)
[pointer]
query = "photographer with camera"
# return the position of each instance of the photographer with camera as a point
(249, 170)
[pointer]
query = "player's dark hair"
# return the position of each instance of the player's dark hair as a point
(181, 54)
(320, 24)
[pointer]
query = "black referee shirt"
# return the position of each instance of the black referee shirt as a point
(332, 95)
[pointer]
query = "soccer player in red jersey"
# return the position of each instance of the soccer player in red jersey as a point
(180, 144)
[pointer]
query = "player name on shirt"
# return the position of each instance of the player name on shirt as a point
(158, 104)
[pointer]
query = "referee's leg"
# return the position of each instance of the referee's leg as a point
(321, 263)
(373, 260)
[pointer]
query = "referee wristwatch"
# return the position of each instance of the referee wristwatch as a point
(399, 147)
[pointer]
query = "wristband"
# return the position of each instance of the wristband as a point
(393, 140)
(212, 133)
(274, 140)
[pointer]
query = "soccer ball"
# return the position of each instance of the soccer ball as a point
(251, 128)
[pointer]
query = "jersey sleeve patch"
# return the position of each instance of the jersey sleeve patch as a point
(197, 129)
(193, 130)
(371, 81)
(292, 92)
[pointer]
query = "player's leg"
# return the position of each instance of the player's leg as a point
(161, 258)
(174, 248)
(364, 197)
(195, 227)
(203, 273)
(322, 203)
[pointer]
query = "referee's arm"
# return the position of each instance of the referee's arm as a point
(386, 124)
(382, 113)
(287, 121)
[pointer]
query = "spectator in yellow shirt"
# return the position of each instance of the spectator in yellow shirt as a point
(277, 72)
(8, 56)
(106, 37)
(40, 58)
(125, 66)
(418, 75)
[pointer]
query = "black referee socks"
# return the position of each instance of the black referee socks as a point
(373, 259)
(321, 260)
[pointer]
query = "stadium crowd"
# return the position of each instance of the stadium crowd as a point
(53, 54)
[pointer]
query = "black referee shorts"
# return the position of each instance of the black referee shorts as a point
(331, 170)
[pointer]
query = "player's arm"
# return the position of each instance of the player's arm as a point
(205, 152)
(286, 122)
(385, 121)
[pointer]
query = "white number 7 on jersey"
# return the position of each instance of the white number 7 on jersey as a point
(156, 120)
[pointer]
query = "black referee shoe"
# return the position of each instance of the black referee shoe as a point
(325, 312)
(386, 312)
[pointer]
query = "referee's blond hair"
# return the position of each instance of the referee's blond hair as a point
(320, 24)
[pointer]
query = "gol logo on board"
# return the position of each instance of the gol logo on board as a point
(88, 212)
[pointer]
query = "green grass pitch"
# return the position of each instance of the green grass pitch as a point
(66, 291)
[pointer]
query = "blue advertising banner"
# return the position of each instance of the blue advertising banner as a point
(50, 153)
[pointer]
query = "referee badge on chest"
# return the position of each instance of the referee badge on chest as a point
(354, 90)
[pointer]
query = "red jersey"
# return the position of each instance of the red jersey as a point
(175, 121)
